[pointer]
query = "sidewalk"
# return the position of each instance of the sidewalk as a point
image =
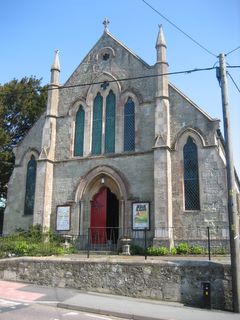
(140, 309)
(105, 304)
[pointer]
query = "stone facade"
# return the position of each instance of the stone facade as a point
(180, 281)
(153, 172)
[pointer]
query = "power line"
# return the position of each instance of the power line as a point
(140, 77)
(232, 51)
(175, 26)
(233, 66)
(234, 82)
(49, 88)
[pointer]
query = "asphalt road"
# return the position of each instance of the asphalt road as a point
(17, 310)
(19, 301)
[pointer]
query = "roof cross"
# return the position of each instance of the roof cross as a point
(106, 23)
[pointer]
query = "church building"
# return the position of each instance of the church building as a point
(120, 150)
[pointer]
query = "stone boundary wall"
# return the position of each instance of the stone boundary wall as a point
(179, 281)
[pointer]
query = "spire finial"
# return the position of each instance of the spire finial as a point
(55, 69)
(160, 38)
(106, 23)
(56, 64)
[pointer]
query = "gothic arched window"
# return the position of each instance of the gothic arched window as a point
(110, 123)
(129, 125)
(30, 186)
(191, 181)
(97, 125)
(79, 132)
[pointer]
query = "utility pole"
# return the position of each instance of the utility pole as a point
(232, 202)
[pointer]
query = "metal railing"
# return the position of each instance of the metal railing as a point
(212, 240)
(199, 240)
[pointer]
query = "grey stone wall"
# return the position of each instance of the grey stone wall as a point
(14, 213)
(188, 120)
(137, 171)
(184, 113)
(212, 183)
(32, 141)
(179, 281)
(122, 64)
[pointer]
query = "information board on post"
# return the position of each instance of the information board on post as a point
(63, 218)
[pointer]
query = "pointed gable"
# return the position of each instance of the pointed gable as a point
(108, 55)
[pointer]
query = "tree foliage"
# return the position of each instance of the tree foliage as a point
(21, 104)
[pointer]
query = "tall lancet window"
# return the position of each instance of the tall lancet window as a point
(97, 125)
(110, 123)
(191, 180)
(30, 186)
(129, 125)
(79, 132)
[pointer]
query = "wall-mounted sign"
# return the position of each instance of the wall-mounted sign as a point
(63, 218)
(140, 215)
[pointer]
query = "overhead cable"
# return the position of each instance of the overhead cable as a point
(234, 82)
(233, 51)
(51, 87)
(175, 26)
(233, 66)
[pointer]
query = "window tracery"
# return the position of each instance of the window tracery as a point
(30, 186)
(191, 180)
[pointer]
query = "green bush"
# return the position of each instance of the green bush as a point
(35, 233)
(157, 251)
(173, 251)
(197, 250)
(50, 249)
(71, 250)
(220, 251)
(7, 247)
(163, 251)
(152, 251)
(34, 242)
(183, 248)
(21, 248)
(33, 249)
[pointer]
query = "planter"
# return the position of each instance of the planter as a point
(125, 243)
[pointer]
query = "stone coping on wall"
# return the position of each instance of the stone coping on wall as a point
(129, 259)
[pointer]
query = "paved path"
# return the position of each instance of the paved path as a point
(141, 309)
(118, 306)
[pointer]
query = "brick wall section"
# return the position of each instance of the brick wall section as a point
(179, 281)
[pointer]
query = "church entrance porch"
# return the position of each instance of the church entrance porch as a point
(104, 220)
(103, 211)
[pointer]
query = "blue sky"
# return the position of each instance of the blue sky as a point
(32, 29)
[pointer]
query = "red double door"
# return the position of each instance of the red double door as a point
(104, 217)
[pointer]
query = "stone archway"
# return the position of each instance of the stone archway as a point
(90, 185)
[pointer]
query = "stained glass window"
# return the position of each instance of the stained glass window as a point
(30, 186)
(129, 125)
(191, 181)
(97, 125)
(79, 132)
(110, 123)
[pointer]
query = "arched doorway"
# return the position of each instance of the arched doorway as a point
(87, 195)
(104, 220)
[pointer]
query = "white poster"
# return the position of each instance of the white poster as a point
(63, 218)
